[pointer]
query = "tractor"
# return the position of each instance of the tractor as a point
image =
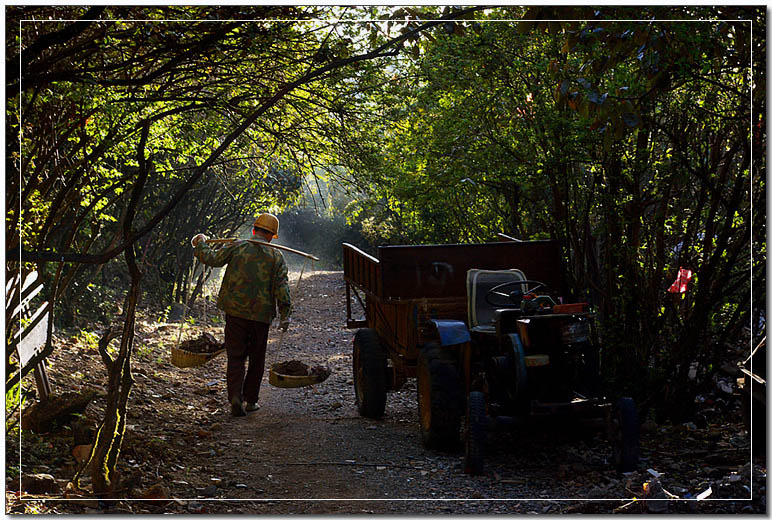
(487, 345)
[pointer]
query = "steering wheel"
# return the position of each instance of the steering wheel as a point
(514, 297)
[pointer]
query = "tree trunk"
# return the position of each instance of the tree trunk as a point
(109, 438)
(198, 289)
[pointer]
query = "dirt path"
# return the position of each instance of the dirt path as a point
(308, 448)
(308, 451)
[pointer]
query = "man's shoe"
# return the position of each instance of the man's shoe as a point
(237, 408)
(252, 407)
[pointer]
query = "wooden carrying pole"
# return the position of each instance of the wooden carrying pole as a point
(277, 246)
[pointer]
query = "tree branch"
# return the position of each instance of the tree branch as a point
(26, 56)
(381, 51)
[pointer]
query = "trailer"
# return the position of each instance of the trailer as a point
(407, 286)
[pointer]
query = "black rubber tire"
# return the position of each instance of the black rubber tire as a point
(370, 382)
(476, 432)
(439, 399)
(625, 442)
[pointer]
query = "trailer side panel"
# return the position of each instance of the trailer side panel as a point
(439, 271)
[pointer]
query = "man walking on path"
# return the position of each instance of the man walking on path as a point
(255, 282)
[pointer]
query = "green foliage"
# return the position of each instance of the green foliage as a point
(88, 339)
(628, 141)
(14, 403)
(145, 351)
(191, 83)
(469, 146)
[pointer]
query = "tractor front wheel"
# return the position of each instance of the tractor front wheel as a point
(370, 382)
(625, 435)
(439, 399)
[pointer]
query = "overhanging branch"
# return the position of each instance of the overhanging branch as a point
(390, 48)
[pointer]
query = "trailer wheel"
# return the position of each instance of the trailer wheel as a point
(476, 426)
(439, 399)
(624, 438)
(370, 382)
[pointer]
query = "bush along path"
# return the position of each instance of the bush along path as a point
(308, 451)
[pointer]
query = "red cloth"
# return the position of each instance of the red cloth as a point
(682, 281)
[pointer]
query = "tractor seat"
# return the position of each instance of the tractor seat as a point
(478, 283)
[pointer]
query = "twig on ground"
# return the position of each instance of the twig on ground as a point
(625, 506)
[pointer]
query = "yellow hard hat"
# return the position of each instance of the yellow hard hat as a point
(269, 223)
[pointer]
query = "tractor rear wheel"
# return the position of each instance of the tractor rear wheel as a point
(439, 399)
(370, 382)
(476, 431)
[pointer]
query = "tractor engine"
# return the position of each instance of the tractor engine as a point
(551, 358)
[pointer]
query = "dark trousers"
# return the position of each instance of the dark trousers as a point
(245, 339)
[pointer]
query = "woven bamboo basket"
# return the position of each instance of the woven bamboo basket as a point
(287, 381)
(184, 359)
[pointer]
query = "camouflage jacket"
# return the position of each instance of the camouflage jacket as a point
(255, 280)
